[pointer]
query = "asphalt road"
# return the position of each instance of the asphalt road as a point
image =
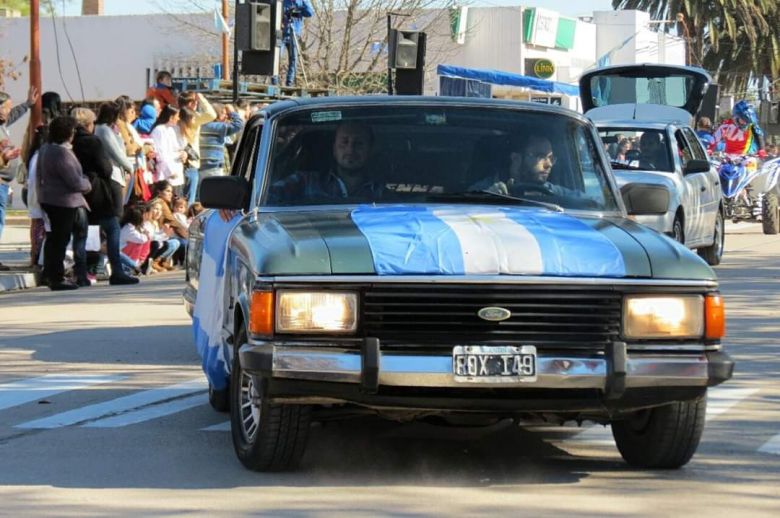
(103, 411)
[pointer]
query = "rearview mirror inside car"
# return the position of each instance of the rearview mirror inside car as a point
(643, 199)
(696, 166)
(224, 192)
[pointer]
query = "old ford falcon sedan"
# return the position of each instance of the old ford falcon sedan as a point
(467, 260)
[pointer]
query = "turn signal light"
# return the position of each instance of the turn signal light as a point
(715, 317)
(261, 313)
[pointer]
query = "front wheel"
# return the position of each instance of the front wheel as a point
(678, 233)
(661, 438)
(713, 253)
(266, 436)
(770, 217)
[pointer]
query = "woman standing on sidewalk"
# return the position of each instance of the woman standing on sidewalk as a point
(170, 149)
(61, 187)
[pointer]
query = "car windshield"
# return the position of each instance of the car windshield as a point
(672, 90)
(646, 150)
(418, 154)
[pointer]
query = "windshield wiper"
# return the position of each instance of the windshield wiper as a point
(491, 197)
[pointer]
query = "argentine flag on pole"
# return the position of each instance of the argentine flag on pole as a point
(220, 23)
(207, 316)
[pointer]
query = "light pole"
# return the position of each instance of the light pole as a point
(36, 116)
(225, 44)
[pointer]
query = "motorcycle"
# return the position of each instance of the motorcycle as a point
(750, 190)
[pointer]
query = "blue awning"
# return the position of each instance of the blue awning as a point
(497, 77)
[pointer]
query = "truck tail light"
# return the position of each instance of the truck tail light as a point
(715, 317)
(261, 313)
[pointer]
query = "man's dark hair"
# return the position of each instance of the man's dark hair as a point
(163, 74)
(187, 97)
(108, 113)
(358, 127)
(61, 129)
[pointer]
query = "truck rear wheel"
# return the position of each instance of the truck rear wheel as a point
(770, 217)
(266, 436)
(664, 437)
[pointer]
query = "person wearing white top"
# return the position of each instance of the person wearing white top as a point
(170, 149)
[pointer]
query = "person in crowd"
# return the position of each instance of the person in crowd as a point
(180, 211)
(294, 11)
(169, 148)
(186, 132)
(163, 90)
(204, 113)
(105, 210)
(164, 198)
(136, 149)
(345, 177)
(9, 114)
(107, 130)
(162, 247)
(741, 134)
(150, 110)
(213, 139)
(195, 209)
(704, 132)
(134, 240)
(61, 186)
(34, 209)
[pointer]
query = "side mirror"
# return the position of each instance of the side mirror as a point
(644, 199)
(697, 166)
(224, 192)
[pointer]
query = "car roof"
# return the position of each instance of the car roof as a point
(416, 100)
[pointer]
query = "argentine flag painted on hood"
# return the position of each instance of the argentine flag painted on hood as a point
(208, 315)
(463, 240)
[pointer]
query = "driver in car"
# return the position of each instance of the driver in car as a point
(530, 165)
(348, 175)
(653, 152)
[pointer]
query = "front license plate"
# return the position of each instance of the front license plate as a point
(494, 363)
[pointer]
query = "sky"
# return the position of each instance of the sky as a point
(565, 7)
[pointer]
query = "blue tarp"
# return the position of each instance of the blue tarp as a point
(497, 77)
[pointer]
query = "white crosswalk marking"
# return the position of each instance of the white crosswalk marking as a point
(219, 427)
(150, 412)
(33, 389)
(118, 406)
(772, 446)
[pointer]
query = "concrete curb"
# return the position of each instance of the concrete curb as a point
(17, 281)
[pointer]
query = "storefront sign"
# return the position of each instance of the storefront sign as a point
(556, 101)
(544, 68)
(542, 27)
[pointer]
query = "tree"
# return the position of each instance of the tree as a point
(23, 6)
(737, 40)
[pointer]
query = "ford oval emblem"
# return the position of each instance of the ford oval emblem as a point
(494, 314)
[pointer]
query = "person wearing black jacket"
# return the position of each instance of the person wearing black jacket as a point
(105, 199)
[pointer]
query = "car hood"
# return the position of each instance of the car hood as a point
(460, 240)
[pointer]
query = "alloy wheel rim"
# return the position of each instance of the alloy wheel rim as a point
(678, 235)
(719, 236)
(248, 412)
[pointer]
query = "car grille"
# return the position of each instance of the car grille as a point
(440, 316)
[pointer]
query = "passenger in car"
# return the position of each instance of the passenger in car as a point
(530, 165)
(346, 176)
(653, 153)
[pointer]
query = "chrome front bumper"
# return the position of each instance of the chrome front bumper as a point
(565, 371)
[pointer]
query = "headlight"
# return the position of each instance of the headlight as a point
(313, 312)
(646, 317)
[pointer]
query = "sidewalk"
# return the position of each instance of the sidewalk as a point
(15, 253)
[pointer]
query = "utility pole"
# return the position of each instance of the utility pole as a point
(225, 44)
(35, 62)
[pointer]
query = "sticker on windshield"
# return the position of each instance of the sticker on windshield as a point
(325, 116)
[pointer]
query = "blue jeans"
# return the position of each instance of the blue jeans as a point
(169, 248)
(4, 187)
(128, 264)
(292, 61)
(110, 227)
(191, 185)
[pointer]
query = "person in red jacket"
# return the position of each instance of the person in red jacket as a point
(163, 90)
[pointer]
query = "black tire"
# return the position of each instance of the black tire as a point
(770, 214)
(714, 253)
(268, 437)
(661, 438)
(678, 230)
(220, 399)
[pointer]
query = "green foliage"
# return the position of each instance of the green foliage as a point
(23, 6)
(736, 40)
